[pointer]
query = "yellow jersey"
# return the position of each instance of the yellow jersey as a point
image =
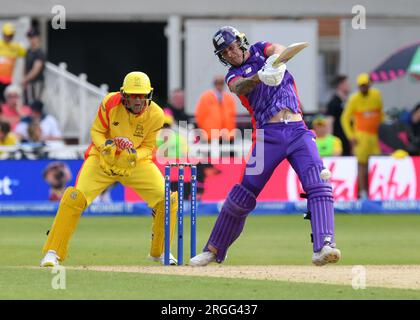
(114, 120)
(9, 52)
(9, 140)
(366, 113)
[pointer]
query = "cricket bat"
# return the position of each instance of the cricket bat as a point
(289, 53)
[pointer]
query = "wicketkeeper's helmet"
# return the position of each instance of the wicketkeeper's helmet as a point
(224, 37)
(136, 82)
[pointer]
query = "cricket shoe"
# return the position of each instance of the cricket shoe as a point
(50, 259)
(161, 259)
(203, 259)
(328, 254)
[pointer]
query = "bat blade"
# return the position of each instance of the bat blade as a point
(289, 53)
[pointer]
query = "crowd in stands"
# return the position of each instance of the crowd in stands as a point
(23, 120)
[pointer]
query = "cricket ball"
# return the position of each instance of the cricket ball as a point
(325, 174)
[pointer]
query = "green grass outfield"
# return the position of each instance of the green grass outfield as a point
(266, 240)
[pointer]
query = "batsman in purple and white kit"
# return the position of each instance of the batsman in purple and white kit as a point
(269, 93)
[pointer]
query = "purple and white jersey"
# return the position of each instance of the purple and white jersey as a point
(263, 102)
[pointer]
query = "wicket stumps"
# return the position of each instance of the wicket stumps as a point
(180, 213)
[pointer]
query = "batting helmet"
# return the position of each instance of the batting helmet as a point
(224, 37)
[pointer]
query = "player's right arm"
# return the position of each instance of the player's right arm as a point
(100, 138)
(269, 75)
(242, 86)
(100, 125)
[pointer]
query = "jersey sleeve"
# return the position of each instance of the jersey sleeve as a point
(145, 150)
(21, 51)
(381, 106)
(100, 125)
(346, 118)
(232, 75)
(261, 47)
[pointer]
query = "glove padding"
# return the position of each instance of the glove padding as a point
(124, 162)
(269, 75)
(107, 153)
(270, 60)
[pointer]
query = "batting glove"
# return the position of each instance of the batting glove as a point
(270, 60)
(269, 75)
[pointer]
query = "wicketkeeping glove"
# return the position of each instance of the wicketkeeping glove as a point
(269, 75)
(107, 156)
(125, 162)
(123, 143)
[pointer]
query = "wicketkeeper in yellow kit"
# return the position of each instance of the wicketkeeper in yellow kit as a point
(123, 138)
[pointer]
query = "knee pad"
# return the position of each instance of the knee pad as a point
(240, 201)
(314, 185)
(74, 198)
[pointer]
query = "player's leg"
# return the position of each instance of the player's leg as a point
(149, 184)
(305, 160)
(362, 149)
(373, 150)
(91, 181)
(362, 180)
(241, 200)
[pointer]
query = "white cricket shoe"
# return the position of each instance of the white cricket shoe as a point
(327, 254)
(50, 259)
(203, 259)
(161, 259)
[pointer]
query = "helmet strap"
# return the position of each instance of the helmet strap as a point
(223, 61)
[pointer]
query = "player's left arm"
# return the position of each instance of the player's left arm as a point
(145, 150)
(274, 48)
(346, 118)
(269, 74)
(21, 51)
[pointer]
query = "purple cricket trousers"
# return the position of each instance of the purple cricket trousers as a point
(291, 141)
